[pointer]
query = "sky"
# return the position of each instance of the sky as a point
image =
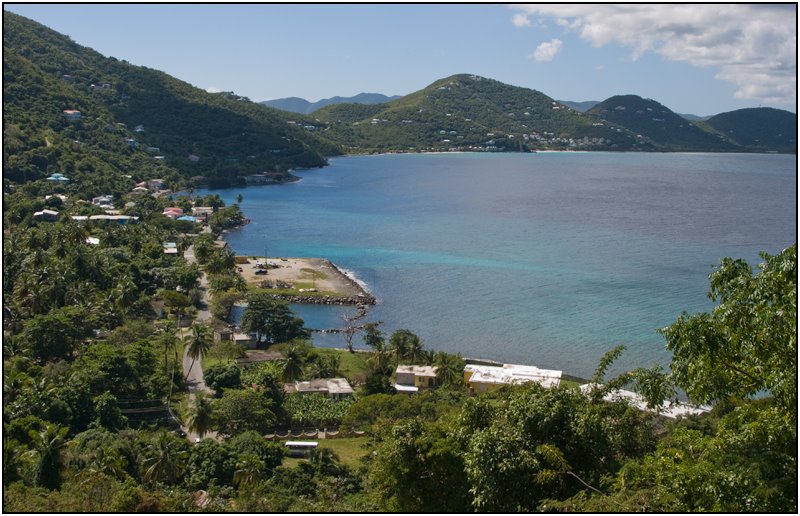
(700, 59)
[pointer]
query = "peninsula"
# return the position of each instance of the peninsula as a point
(303, 280)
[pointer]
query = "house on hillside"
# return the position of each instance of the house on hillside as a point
(202, 212)
(334, 388)
(72, 114)
(47, 215)
(412, 378)
(104, 201)
(156, 184)
(58, 178)
(172, 212)
(484, 378)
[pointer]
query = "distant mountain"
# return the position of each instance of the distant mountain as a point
(759, 129)
(469, 112)
(298, 105)
(693, 118)
(583, 107)
(659, 126)
(125, 110)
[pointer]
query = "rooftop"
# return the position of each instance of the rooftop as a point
(417, 370)
(672, 410)
(513, 374)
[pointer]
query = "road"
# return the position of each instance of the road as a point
(194, 372)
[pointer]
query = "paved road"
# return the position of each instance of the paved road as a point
(194, 373)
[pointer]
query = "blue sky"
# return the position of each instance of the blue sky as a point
(692, 58)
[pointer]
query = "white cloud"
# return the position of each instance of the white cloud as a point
(753, 46)
(521, 20)
(546, 51)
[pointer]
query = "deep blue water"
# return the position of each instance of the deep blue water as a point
(548, 259)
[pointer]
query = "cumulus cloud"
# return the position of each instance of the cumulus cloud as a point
(753, 46)
(547, 50)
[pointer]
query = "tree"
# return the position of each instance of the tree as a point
(201, 415)
(240, 410)
(210, 464)
(405, 345)
(48, 443)
(271, 320)
(449, 368)
(748, 343)
(249, 471)
(198, 343)
(108, 413)
(165, 459)
(293, 364)
(223, 376)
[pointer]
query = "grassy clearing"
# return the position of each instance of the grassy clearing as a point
(348, 449)
(353, 365)
(222, 352)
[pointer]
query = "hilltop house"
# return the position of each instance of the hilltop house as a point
(483, 378)
(335, 388)
(412, 378)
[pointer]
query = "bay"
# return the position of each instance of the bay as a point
(548, 259)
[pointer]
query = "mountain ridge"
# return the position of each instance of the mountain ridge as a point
(303, 106)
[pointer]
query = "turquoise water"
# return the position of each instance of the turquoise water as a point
(548, 259)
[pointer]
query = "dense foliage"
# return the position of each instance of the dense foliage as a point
(219, 136)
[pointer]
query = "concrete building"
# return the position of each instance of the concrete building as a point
(412, 378)
(335, 388)
(484, 378)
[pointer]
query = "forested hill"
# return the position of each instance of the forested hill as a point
(220, 136)
(657, 124)
(764, 129)
(298, 105)
(468, 112)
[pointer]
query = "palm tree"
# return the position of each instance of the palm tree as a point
(198, 343)
(166, 459)
(405, 345)
(167, 339)
(201, 417)
(110, 462)
(249, 470)
(292, 364)
(48, 443)
(449, 368)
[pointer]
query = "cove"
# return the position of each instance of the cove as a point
(548, 259)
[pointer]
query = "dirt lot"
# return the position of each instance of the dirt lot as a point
(301, 273)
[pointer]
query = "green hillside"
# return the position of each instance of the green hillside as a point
(760, 129)
(226, 135)
(467, 112)
(665, 130)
